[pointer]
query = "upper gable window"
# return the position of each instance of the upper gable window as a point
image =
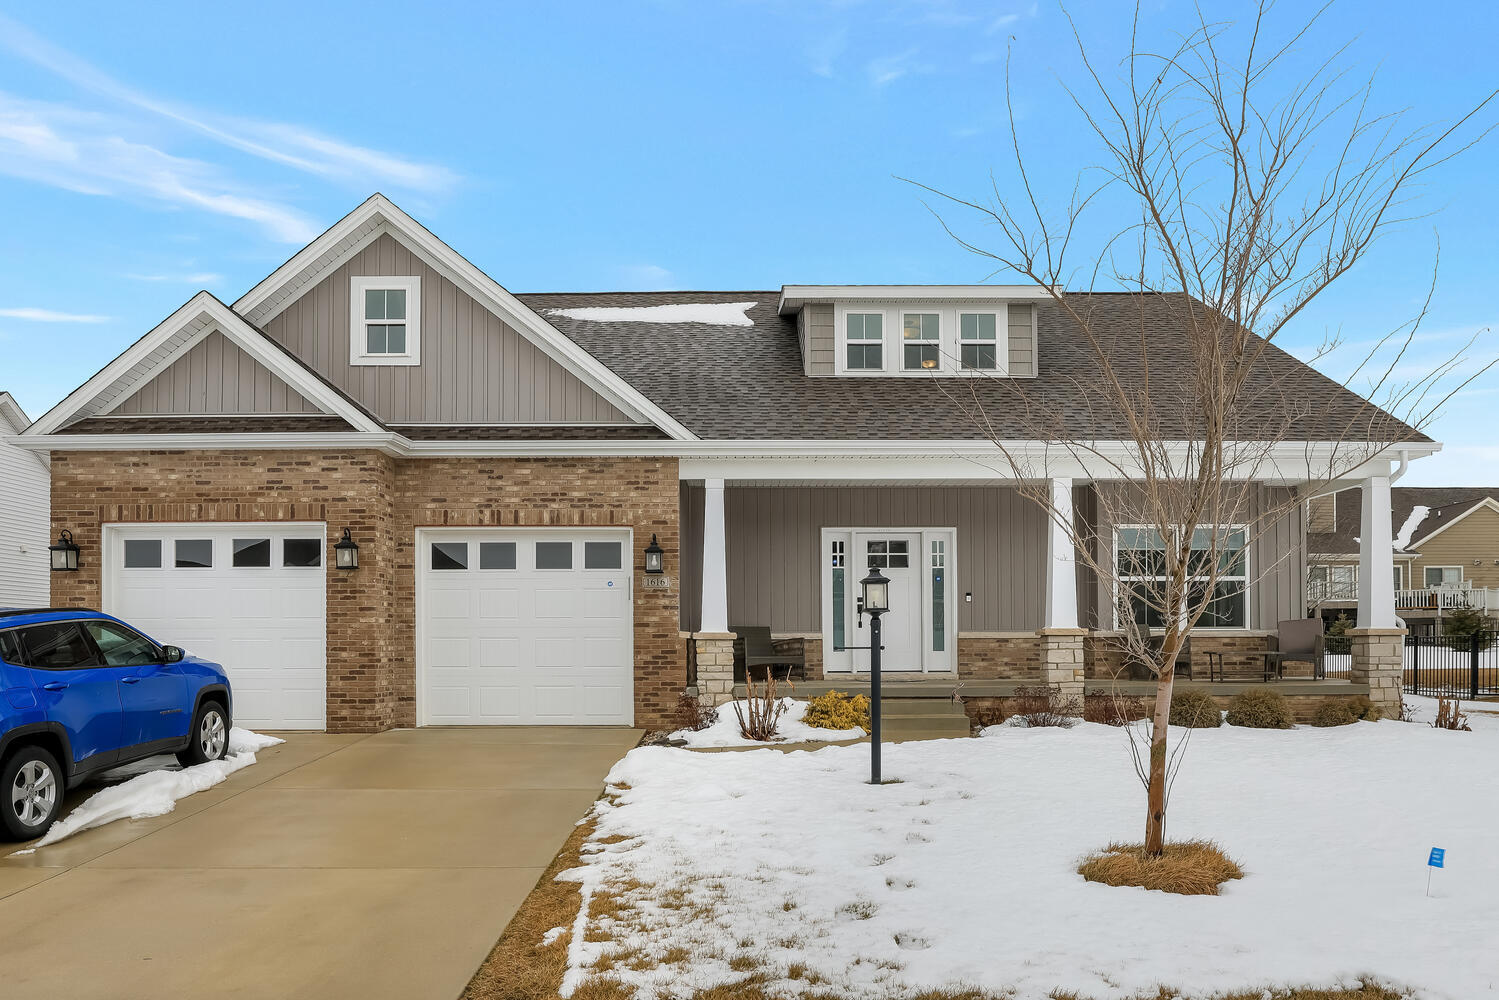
(978, 340)
(921, 333)
(866, 339)
(385, 320)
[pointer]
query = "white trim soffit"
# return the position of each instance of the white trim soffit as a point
(793, 297)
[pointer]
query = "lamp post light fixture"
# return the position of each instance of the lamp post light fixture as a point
(346, 552)
(874, 600)
(64, 553)
(653, 558)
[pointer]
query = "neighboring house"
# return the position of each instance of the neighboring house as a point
(1445, 546)
(24, 517)
(503, 463)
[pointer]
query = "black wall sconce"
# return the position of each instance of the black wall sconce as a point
(346, 552)
(653, 557)
(64, 554)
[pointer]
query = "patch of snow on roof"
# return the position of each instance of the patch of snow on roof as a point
(1417, 515)
(711, 313)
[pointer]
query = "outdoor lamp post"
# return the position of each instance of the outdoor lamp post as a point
(653, 564)
(874, 601)
(64, 554)
(346, 552)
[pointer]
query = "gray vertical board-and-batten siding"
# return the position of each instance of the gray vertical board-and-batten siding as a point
(474, 368)
(215, 376)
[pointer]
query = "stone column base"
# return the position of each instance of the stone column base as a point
(715, 666)
(1379, 661)
(1062, 664)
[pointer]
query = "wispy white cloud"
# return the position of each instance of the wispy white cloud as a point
(822, 55)
(197, 278)
(885, 70)
(86, 152)
(50, 315)
(291, 145)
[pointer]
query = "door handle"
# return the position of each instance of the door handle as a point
(130, 680)
(54, 686)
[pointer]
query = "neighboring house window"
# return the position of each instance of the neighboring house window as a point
(978, 341)
(385, 326)
(1140, 554)
(1444, 576)
(866, 341)
(1338, 583)
(921, 334)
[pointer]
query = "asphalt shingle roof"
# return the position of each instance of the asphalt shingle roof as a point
(1443, 502)
(738, 382)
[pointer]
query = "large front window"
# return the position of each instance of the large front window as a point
(1141, 562)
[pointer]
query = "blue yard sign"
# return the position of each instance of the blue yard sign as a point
(1438, 855)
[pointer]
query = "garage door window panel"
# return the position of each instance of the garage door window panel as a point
(497, 555)
(302, 553)
(251, 553)
(602, 555)
(554, 555)
(143, 553)
(193, 553)
(449, 555)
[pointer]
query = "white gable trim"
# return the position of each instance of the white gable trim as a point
(1486, 503)
(12, 414)
(379, 215)
(173, 337)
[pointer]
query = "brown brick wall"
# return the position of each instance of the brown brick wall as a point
(371, 631)
(1103, 657)
(999, 657)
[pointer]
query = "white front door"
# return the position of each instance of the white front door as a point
(918, 632)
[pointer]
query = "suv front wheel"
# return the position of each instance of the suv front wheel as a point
(209, 737)
(31, 787)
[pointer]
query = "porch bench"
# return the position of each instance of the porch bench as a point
(756, 650)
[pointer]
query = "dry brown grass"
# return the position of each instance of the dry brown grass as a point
(1188, 868)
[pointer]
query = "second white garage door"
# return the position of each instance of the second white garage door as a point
(524, 627)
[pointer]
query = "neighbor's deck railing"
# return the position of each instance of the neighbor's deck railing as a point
(1426, 599)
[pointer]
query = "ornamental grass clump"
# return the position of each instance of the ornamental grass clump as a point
(1334, 712)
(1195, 709)
(1260, 708)
(836, 710)
(1189, 868)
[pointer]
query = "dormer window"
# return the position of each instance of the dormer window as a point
(866, 341)
(978, 340)
(385, 320)
(922, 340)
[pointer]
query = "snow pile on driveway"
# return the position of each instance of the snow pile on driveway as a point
(791, 729)
(964, 872)
(155, 793)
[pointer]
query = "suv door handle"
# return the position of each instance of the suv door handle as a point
(130, 680)
(54, 686)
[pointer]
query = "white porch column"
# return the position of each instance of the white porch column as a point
(715, 611)
(1061, 559)
(1376, 557)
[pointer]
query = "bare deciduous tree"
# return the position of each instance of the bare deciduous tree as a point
(1256, 187)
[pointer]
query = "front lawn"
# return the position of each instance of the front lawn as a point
(784, 874)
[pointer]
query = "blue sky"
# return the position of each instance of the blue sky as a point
(628, 145)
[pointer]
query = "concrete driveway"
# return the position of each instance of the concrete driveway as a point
(368, 866)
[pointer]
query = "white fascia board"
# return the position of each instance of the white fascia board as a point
(231, 325)
(480, 286)
(12, 414)
(793, 297)
(1487, 503)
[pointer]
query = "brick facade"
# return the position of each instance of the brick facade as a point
(1243, 659)
(371, 626)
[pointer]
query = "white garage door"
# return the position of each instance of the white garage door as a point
(248, 596)
(524, 627)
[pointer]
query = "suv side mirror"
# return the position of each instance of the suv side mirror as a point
(172, 654)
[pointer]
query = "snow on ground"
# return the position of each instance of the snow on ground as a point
(711, 313)
(965, 871)
(154, 792)
(791, 729)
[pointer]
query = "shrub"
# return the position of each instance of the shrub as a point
(1365, 709)
(1039, 707)
(692, 714)
(1334, 712)
(1190, 868)
(1195, 709)
(1450, 715)
(836, 710)
(1114, 709)
(1260, 708)
(1463, 623)
(759, 714)
(1340, 635)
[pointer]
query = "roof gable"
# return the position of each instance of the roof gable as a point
(1487, 503)
(12, 417)
(214, 376)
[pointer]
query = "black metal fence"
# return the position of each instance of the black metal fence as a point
(1453, 666)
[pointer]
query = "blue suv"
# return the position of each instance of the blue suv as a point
(81, 692)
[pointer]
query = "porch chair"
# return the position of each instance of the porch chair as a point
(1297, 640)
(1138, 670)
(760, 656)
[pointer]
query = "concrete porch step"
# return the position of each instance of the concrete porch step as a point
(946, 725)
(920, 706)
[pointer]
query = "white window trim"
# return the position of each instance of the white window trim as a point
(1248, 578)
(841, 336)
(949, 342)
(1461, 577)
(1001, 340)
(412, 285)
